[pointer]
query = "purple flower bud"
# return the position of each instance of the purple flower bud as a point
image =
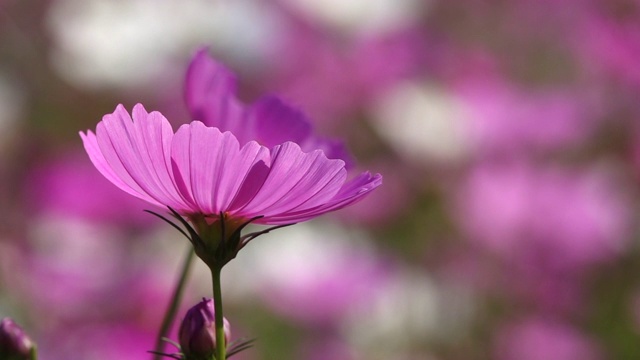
(14, 342)
(198, 331)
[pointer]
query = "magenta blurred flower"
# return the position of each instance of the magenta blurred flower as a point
(338, 275)
(505, 118)
(610, 43)
(210, 94)
(72, 270)
(53, 188)
(122, 339)
(327, 348)
(544, 339)
(14, 342)
(569, 219)
(197, 332)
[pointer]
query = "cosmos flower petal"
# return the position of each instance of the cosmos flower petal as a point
(351, 192)
(205, 158)
(154, 135)
(206, 78)
(118, 139)
(332, 148)
(239, 171)
(319, 184)
(181, 165)
(293, 178)
(210, 95)
(212, 166)
(275, 122)
(252, 163)
(227, 172)
(117, 178)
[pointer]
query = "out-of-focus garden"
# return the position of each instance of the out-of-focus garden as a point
(507, 133)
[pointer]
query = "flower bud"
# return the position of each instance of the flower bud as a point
(14, 342)
(198, 331)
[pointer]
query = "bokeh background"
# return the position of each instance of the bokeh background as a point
(507, 132)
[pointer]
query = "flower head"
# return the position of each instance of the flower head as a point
(207, 176)
(197, 333)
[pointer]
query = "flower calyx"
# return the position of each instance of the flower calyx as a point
(216, 240)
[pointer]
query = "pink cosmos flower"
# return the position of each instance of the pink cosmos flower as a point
(210, 94)
(536, 338)
(201, 172)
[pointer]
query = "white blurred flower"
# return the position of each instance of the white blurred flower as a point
(295, 264)
(412, 309)
(113, 43)
(422, 123)
(71, 261)
(361, 16)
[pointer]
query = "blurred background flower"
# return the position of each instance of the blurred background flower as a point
(508, 134)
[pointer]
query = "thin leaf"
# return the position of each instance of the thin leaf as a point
(177, 356)
(192, 231)
(251, 236)
(171, 342)
(169, 222)
(241, 342)
(237, 350)
(239, 345)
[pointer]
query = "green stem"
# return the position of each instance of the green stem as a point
(217, 307)
(170, 315)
